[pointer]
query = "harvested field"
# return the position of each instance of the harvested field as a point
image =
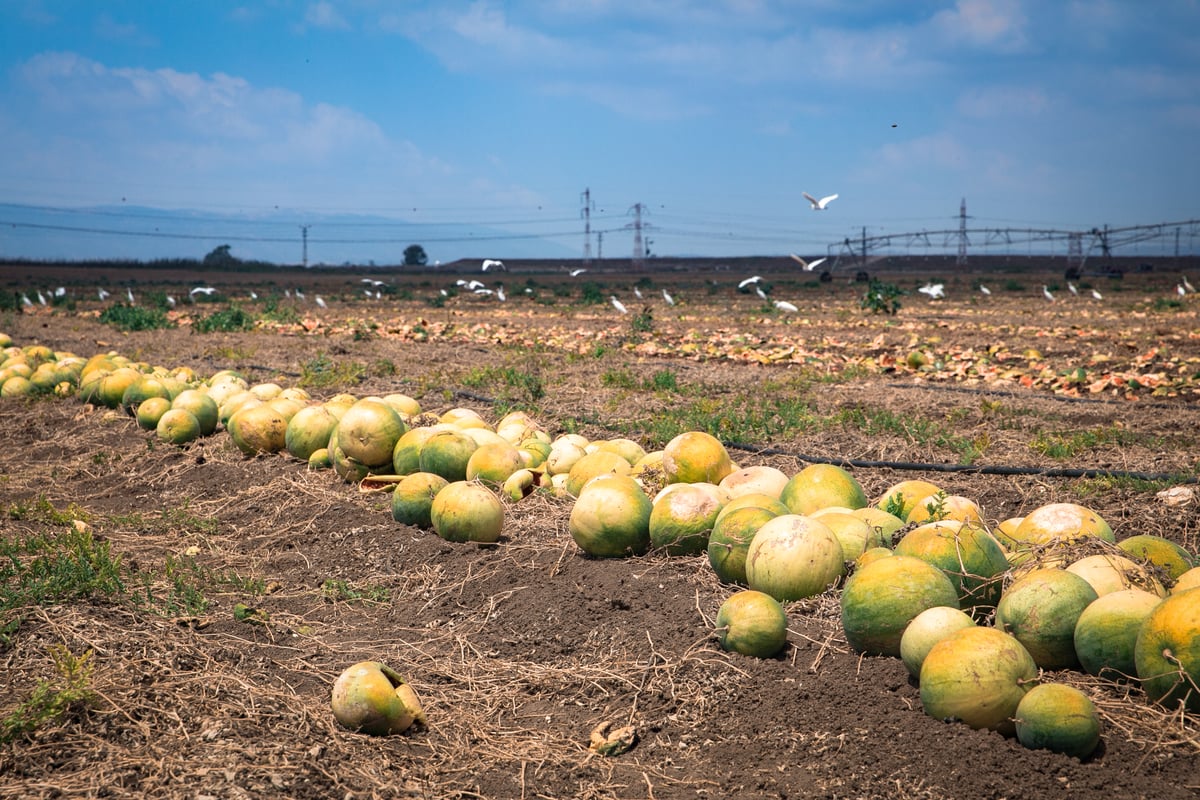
(241, 587)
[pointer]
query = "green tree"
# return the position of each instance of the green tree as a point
(414, 256)
(220, 257)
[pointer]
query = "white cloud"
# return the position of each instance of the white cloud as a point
(989, 24)
(324, 15)
(185, 129)
(1002, 101)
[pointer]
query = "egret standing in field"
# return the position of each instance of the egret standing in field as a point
(320, 301)
(1097, 295)
(500, 295)
(129, 294)
(1046, 293)
(637, 293)
(758, 291)
(41, 298)
(1179, 290)
(170, 301)
(666, 296)
(618, 305)
(1071, 288)
(985, 290)
(1187, 285)
(786, 307)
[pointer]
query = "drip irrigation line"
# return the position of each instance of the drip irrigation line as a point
(915, 466)
(1024, 396)
(998, 469)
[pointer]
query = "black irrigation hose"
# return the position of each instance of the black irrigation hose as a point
(1025, 396)
(1051, 472)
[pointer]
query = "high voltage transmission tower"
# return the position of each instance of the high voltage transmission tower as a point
(588, 206)
(962, 234)
(639, 248)
(304, 238)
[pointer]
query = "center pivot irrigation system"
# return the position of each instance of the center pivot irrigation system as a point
(1169, 237)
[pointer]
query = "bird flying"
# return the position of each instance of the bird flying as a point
(618, 305)
(102, 294)
(809, 267)
(575, 273)
(819, 205)
(749, 281)
(202, 290)
(491, 263)
(934, 290)
(670, 300)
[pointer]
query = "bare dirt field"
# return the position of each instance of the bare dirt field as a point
(246, 585)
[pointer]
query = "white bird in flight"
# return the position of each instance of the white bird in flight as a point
(1046, 293)
(670, 300)
(102, 294)
(934, 290)
(809, 266)
(373, 282)
(819, 205)
(575, 273)
(202, 290)
(784, 305)
(320, 302)
(749, 281)
(491, 263)
(618, 305)
(60, 291)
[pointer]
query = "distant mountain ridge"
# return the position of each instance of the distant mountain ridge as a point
(143, 233)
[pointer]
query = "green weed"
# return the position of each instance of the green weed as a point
(135, 318)
(1068, 445)
(226, 320)
(335, 590)
(52, 698)
(323, 372)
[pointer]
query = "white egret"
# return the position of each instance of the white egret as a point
(1187, 285)
(1097, 295)
(253, 295)
(819, 205)
(320, 301)
(749, 281)
(299, 295)
(25, 301)
(785, 306)
(1046, 293)
(618, 305)
(1071, 288)
(934, 290)
(984, 289)
(1182, 292)
(575, 273)
(170, 301)
(60, 291)
(637, 293)
(208, 290)
(670, 300)
(41, 298)
(491, 263)
(484, 291)
(103, 295)
(129, 294)
(500, 295)
(758, 291)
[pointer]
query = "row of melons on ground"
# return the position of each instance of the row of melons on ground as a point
(975, 613)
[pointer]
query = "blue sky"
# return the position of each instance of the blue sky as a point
(496, 116)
